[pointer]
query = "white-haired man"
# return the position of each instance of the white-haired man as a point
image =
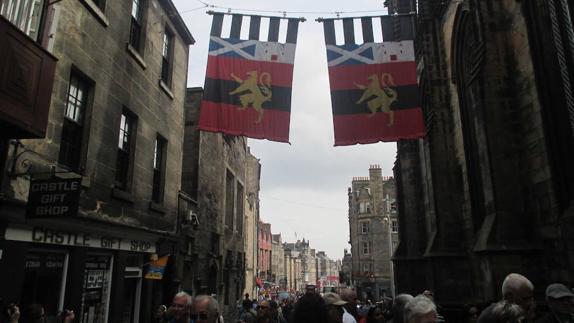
(420, 310)
(516, 289)
(206, 310)
(180, 308)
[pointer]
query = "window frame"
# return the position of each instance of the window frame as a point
(158, 180)
(366, 247)
(365, 225)
(132, 118)
(24, 21)
(167, 56)
(138, 40)
(83, 123)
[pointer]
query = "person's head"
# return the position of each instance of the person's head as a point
(506, 312)
(263, 310)
(398, 307)
(310, 309)
(205, 309)
(517, 289)
(349, 296)
(180, 305)
(334, 307)
(560, 299)
(246, 295)
(420, 310)
(310, 289)
(376, 314)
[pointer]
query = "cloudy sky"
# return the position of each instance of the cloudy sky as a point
(303, 185)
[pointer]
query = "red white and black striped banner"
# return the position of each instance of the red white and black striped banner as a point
(248, 81)
(374, 91)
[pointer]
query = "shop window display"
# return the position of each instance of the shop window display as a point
(96, 289)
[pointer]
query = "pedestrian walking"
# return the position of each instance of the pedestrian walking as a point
(560, 302)
(350, 296)
(248, 314)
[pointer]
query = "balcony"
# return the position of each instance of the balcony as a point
(26, 79)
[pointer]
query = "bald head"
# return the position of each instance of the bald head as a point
(517, 289)
(514, 284)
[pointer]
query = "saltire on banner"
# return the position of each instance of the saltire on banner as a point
(248, 82)
(374, 92)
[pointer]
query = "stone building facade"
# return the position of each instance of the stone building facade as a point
(114, 137)
(218, 186)
(251, 223)
(490, 189)
(265, 249)
(370, 225)
(278, 261)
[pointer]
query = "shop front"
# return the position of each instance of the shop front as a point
(98, 273)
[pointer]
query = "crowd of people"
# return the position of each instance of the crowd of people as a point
(516, 306)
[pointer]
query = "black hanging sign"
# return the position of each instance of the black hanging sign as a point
(55, 197)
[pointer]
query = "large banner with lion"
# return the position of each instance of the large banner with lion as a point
(248, 81)
(374, 92)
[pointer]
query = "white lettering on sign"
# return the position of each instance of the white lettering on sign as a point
(78, 239)
(54, 186)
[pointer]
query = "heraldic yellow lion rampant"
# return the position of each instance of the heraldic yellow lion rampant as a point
(382, 97)
(255, 94)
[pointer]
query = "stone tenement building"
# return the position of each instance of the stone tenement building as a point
(265, 249)
(490, 189)
(113, 146)
(251, 220)
(278, 261)
(327, 272)
(216, 247)
(371, 219)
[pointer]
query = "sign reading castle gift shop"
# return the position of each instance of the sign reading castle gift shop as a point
(78, 239)
(56, 197)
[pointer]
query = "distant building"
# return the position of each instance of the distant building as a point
(373, 222)
(112, 147)
(278, 262)
(251, 223)
(264, 256)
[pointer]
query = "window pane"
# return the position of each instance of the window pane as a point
(72, 126)
(136, 10)
(25, 14)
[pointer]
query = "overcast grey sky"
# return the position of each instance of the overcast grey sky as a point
(303, 185)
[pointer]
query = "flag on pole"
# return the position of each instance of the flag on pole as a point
(374, 92)
(248, 81)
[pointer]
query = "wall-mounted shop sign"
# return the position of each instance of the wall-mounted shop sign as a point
(78, 239)
(57, 197)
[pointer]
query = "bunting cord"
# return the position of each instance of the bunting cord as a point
(281, 12)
